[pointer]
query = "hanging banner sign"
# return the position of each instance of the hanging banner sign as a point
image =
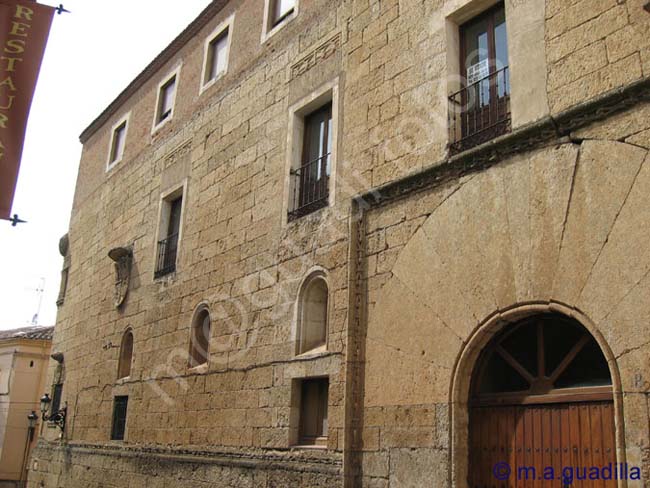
(24, 28)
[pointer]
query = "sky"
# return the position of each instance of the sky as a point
(93, 53)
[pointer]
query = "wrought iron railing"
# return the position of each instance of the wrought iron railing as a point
(480, 112)
(310, 187)
(166, 262)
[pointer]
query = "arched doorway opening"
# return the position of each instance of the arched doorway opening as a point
(541, 396)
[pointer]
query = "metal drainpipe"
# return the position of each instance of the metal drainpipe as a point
(23, 469)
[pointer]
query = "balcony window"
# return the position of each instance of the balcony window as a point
(310, 181)
(168, 245)
(480, 111)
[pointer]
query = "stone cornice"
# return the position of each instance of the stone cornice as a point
(549, 130)
(307, 460)
(152, 68)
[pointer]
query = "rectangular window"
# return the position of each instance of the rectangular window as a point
(166, 99)
(119, 417)
(311, 179)
(216, 53)
(117, 147)
(480, 111)
(217, 56)
(168, 245)
(57, 391)
(117, 142)
(167, 93)
(313, 412)
(281, 10)
(277, 14)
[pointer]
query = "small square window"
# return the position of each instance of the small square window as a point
(312, 430)
(120, 405)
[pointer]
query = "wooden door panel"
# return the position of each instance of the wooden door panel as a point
(556, 436)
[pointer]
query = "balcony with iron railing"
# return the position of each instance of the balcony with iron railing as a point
(166, 261)
(480, 111)
(310, 187)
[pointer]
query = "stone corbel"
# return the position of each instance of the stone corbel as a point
(64, 250)
(123, 257)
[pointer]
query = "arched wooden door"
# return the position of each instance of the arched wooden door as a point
(541, 409)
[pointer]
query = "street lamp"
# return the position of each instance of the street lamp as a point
(45, 403)
(58, 417)
(32, 418)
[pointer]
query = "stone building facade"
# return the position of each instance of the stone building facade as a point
(334, 243)
(24, 355)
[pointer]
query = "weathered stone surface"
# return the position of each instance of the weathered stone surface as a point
(562, 226)
(624, 259)
(415, 468)
(605, 174)
(627, 125)
(434, 283)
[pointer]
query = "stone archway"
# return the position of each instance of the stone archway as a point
(467, 371)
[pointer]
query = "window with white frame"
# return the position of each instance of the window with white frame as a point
(167, 93)
(480, 110)
(282, 9)
(117, 142)
(276, 14)
(311, 163)
(169, 231)
(217, 53)
(166, 100)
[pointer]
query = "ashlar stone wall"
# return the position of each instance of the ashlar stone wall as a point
(436, 263)
(562, 226)
(593, 47)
